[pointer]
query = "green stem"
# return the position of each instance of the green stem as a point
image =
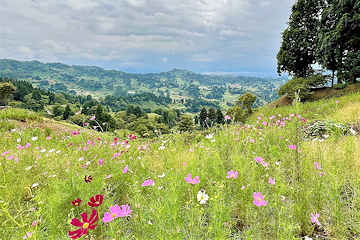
(5, 210)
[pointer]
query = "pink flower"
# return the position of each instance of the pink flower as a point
(27, 145)
(259, 159)
(283, 199)
(126, 168)
(317, 166)
(272, 181)
(191, 150)
(48, 138)
(116, 211)
(184, 163)
(86, 123)
(227, 117)
(264, 123)
(232, 174)
(259, 200)
(101, 162)
(292, 146)
(4, 153)
(148, 183)
(92, 118)
(252, 140)
(192, 181)
(258, 118)
(11, 157)
(243, 187)
(109, 176)
(33, 224)
(303, 120)
(337, 101)
(315, 218)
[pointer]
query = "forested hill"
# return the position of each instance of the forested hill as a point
(178, 83)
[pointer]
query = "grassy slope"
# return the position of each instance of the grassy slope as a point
(170, 208)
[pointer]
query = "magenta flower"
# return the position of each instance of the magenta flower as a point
(315, 218)
(116, 211)
(231, 174)
(292, 147)
(227, 117)
(86, 123)
(4, 153)
(101, 162)
(191, 150)
(192, 181)
(126, 168)
(148, 183)
(259, 159)
(11, 157)
(92, 118)
(317, 166)
(272, 181)
(259, 200)
(27, 145)
(264, 123)
(48, 138)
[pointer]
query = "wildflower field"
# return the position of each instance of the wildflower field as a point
(282, 175)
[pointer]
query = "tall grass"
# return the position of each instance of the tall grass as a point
(170, 208)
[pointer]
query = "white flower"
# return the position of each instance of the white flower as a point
(213, 140)
(210, 136)
(352, 131)
(162, 175)
(35, 185)
(87, 163)
(28, 168)
(307, 238)
(161, 147)
(139, 157)
(81, 158)
(161, 187)
(19, 140)
(52, 150)
(277, 163)
(43, 150)
(202, 197)
(326, 136)
(315, 139)
(321, 140)
(58, 151)
(34, 138)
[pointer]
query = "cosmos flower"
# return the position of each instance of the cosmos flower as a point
(315, 218)
(76, 202)
(259, 200)
(202, 197)
(232, 174)
(85, 225)
(148, 183)
(272, 181)
(192, 181)
(126, 168)
(88, 178)
(96, 200)
(116, 211)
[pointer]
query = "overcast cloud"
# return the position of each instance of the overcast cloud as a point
(213, 36)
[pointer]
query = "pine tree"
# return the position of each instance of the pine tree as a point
(66, 112)
(219, 117)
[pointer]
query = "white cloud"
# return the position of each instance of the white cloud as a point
(164, 60)
(205, 31)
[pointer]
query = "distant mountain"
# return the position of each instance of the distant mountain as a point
(178, 83)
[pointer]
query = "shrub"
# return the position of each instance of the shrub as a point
(340, 85)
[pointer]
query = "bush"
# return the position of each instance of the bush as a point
(302, 86)
(340, 86)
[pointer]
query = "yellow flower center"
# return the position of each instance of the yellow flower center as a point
(232, 175)
(202, 197)
(86, 225)
(113, 215)
(259, 199)
(87, 179)
(76, 204)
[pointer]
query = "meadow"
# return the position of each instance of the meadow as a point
(266, 179)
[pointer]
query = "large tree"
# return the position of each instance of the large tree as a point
(297, 51)
(6, 90)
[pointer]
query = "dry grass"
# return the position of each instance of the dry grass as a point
(347, 114)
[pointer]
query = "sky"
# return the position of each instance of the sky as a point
(239, 37)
